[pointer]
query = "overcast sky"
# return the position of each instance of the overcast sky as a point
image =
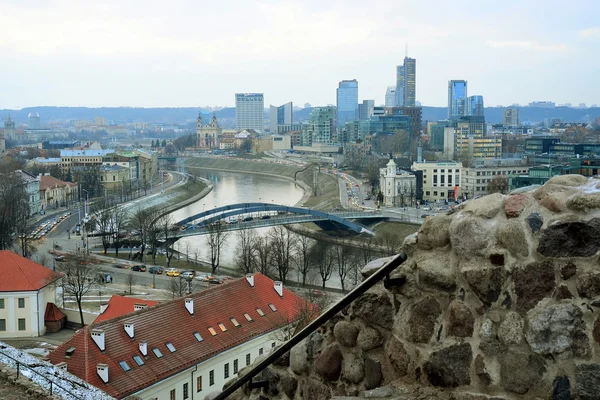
(196, 53)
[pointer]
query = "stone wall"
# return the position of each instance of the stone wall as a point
(501, 301)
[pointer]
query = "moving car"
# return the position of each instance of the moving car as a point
(155, 270)
(59, 258)
(187, 274)
(172, 272)
(139, 268)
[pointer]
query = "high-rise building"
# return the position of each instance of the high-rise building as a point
(33, 121)
(282, 115)
(406, 83)
(390, 96)
(320, 127)
(457, 98)
(415, 114)
(365, 109)
(510, 117)
(347, 101)
(475, 106)
(249, 111)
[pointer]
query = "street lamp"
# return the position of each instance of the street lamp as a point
(85, 209)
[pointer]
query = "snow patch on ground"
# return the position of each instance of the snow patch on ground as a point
(71, 387)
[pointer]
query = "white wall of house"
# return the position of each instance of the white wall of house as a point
(32, 312)
(162, 390)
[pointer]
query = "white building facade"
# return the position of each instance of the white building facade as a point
(397, 186)
(249, 111)
(442, 180)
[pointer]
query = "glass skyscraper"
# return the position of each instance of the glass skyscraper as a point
(457, 98)
(406, 83)
(347, 101)
(282, 115)
(475, 106)
(249, 111)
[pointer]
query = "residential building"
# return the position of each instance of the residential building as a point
(32, 187)
(148, 166)
(390, 96)
(510, 117)
(457, 99)
(475, 107)
(366, 109)
(281, 115)
(118, 306)
(249, 111)
(475, 180)
(350, 133)
(26, 289)
(114, 178)
(399, 187)
(208, 135)
(82, 158)
(415, 114)
(347, 101)
(406, 78)
(441, 179)
(192, 345)
(320, 127)
(55, 193)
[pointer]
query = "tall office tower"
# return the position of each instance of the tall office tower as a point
(33, 120)
(390, 96)
(347, 101)
(365, 109)
(249, 111)
(282, 115)
(406, 83)
(475, 106)
(457, 98)
(320, 128)
(510, 117)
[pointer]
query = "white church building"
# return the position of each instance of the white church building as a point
(399, 187)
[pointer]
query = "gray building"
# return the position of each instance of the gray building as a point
(475, 106)
(365, 109)
(510, 117)
(249, 111)
(390, 96)
(347, 101)
(406, 83)
(282, 115)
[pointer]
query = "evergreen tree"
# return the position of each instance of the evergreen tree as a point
(164, 143)
(69, 176)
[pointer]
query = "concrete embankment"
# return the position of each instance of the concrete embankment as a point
(327, 193)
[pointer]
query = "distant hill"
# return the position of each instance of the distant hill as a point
(181, 115)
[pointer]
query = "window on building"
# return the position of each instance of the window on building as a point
(21, 302)
(170, 347)
(2, 324)
(222, 326)
(138, 360)
(478, 173)
(198, 336)
(248, 317)
(185, 391)
(234, 322)
(260, 351)
(157, 352)
(226, 370)
(272, 307)
(235, 366)
(124, 365)
(172, 394)
(427, 193)
(211, 377)
(22, 324)
(247, 359)
(1, 303)
(199, 384)
(212, 331)
(260, 312)
(273, 345)
(435, 193)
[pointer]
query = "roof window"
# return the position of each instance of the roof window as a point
(234, 322)
(170, 347)
(248, 317)
(222, 326)
(138, 360)
(124, 365)
(198, 336)
(260, 312)
(212, 331)
(272, 307)
(157, 352)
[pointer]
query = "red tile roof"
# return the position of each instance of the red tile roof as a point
(171, 322)
(53, 313)
(21, 274)
(121, 305)
(48, 182)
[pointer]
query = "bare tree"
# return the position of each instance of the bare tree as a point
(166, 226)
(281, 240)
(262, 256)
(176, 287)
(498, 184)
(342, 255)
(105, 227)
(142, 221)
(302, 247)
(130, 281)
(187, 251)
(244, 260)
(322, 256)
(120, 224)
(389, 242)
(216, 239)
(24, 226)
(196, 254)
(78, 279)
(14, 208)
(368, 250)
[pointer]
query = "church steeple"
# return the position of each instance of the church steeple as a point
(199, 122)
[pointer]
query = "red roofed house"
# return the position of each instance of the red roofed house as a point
(25, 290)
(121, 305)
(185, 348)
(56, 193)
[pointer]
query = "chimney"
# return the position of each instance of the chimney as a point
(137, 307)
(278, 285)
(129, 329)
(102, 371)
(103, 307)
(250, 279)
(143, 348)
(98, 338)
(62, 366)
(189, 305)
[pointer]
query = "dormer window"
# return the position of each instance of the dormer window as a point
(272, 307)
(212, 331)
(248, 317)
(260, 312)
(222, 326)
(157, 352)
(234, 322)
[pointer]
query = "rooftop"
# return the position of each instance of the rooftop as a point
(48, 182)
(121, 305)
(85, 153)
(20, 274)
(154, 326)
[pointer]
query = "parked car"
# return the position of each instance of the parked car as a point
(215, 281)
(59, 258)
(248, 219)
(172, 272)
(202, 278)
(266, 217)
(155, 270)
(187, 274)
(139, 268)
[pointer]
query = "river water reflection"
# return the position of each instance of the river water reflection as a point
(231, 188)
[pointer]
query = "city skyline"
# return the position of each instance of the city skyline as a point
(141, 54)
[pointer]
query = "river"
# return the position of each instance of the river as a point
(231, 188)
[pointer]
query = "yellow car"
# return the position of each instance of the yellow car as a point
(172, 272)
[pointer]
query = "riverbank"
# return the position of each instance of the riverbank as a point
(327, 193)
